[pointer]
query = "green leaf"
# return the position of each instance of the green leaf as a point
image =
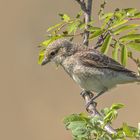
(91, 23)
(93, 29)
(106, 21)
(96, 33)
(130, 11)
(79, 15)
(134, 31)
(134, 45)
(115, 51)
(40, 59)
(77, 123)
(96, 120)
(73, 27)
(139, 128)
(81, 25)
(137, 41)
(46, 42)
(130, 37)
(64, 17)
(124, 28)
(118, 23)
(117, 106)
(75, 117)
(127, 130)
(106, 44)
(124, 13)
(107, 15)
(41, 56)
(137, 15)
(53, 38)
(124, 55)
(111, 115)
(78, 129)
(120, 16)
(105, 111)
(55, 26)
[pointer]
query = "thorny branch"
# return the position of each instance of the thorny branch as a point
(86, 95)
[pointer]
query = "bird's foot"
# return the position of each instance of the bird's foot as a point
(91, 102)
(84, 93)
(93, 98)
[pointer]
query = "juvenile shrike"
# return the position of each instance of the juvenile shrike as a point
(89, 68)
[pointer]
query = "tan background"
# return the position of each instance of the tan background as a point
(34, 99)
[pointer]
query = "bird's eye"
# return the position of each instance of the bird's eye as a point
(52, 53)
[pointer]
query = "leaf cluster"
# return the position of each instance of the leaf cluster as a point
(84, 127)
(122, 34)
(117, 33)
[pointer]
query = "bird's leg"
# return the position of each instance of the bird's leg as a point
(84, 93)
(95, 97)
(88, 95)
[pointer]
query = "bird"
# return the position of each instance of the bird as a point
(89, 68)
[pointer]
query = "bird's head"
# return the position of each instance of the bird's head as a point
(57, 51)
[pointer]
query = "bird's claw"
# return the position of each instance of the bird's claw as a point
(84, 93)
(91, 102)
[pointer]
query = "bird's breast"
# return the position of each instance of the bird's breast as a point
(88, 82)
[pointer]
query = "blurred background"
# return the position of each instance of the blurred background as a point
(35, 99)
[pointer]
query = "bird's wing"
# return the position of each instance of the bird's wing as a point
(93, 58)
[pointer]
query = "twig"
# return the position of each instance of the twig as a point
(88, 95)
(103, 36)
(133, 18)
(102, 7)
(87, 14)
(94, 112)
(72, 35)
(82, 4)
(87, 20)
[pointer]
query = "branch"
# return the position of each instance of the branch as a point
(133, 18)
(103, 36)
(73, 35)
(87, 14)
(82, 4)
(94, 112)
(87, 20)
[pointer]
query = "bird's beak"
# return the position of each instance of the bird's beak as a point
(45, 61)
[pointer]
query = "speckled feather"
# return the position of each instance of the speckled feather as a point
(89, 68)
